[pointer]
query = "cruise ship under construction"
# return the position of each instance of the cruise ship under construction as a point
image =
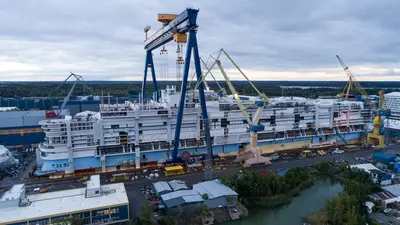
(135, 135)
(191, 122)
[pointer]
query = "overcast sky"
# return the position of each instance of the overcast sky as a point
(270, 40)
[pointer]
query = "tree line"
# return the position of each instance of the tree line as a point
(124, 89)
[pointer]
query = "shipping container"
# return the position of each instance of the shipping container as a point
(384, 158)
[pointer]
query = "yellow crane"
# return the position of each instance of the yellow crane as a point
(382, 113)
(253, 152)
(353, 83)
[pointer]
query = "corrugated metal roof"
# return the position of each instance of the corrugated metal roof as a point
(380, 173)
(366, 167)
(386, 195)
(176, 198)
(394, 189)
(162, 186)
(177, 194)
(192, 198)
(177, 185)
(213, 189)
(383, 156)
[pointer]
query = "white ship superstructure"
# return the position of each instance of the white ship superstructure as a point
(140, 134)
(392, 101)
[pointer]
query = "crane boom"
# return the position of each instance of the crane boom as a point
(244, 75)
(252, 155)
(66, 98)
(208, 69)
(353, 81)
(234, 93)
(181, 24)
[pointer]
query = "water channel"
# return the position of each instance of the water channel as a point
(309, 201)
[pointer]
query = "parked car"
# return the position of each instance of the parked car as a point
(338, 151)
(387, 211)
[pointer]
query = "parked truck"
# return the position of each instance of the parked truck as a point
(351, 148)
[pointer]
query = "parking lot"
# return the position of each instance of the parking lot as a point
(384, 219)
(27, 162)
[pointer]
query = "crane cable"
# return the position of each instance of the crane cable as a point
(266, 100)
(203, 77)
(166, 71)
(209, 71)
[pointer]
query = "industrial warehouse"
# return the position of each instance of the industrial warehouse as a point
(95, 204)
(212, 193)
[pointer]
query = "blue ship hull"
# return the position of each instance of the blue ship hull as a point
(156, 155)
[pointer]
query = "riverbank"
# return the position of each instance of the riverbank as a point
(307, 201)
(268, 190)
(278, 200)
(357, 185)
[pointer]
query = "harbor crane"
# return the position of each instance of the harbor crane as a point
(253, 153)
(182, 29)
(352, 82)
(57, 113)
(379, 133)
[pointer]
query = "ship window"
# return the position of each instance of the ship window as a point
(114, 126)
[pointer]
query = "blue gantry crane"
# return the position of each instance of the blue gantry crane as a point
(176, 27)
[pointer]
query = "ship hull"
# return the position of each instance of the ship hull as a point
(135, 135)
(148, 158)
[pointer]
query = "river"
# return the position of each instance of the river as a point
(309, 201)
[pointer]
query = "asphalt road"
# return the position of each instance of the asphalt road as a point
(136, 198)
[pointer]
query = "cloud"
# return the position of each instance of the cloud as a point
(293, 40)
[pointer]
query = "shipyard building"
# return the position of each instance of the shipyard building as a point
(21, 116)
(95, 204)
(213, 194)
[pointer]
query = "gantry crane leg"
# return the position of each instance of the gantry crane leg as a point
(192, 45)
(149, 63)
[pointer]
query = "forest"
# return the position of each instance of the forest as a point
(251, 185)
(127, 88)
